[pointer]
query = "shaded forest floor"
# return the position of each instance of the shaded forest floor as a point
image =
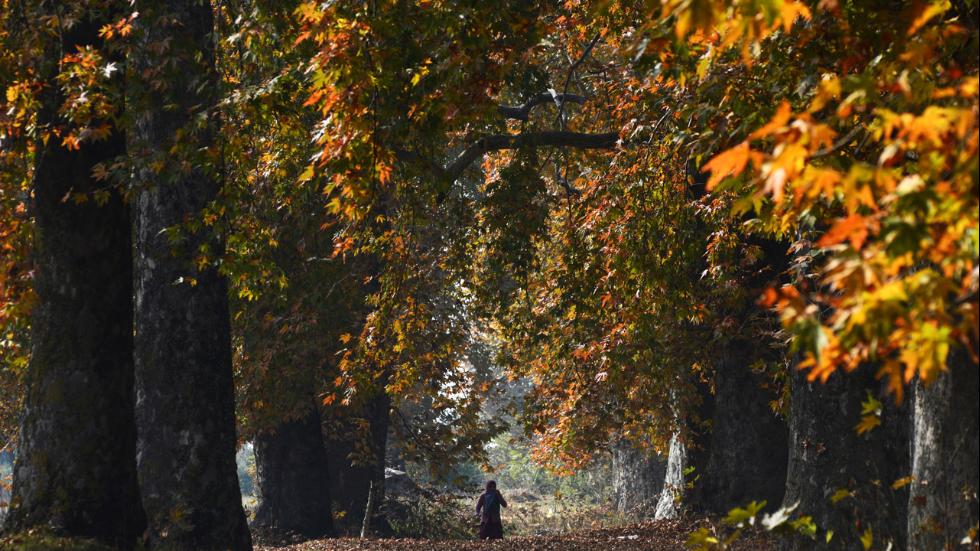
(647, 536)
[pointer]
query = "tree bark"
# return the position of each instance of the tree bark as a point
(638, 479)
(681, 462)
(293, 479)
(943, 502)
(827, 455)
(356, 465)
(75, 470)
(747, 449)
(184, 393)
(686, 459)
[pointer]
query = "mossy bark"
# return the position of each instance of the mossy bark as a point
(293, 479)
(75, 471)
(184, 392)
(943, 501)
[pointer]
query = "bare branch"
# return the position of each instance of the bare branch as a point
(499, 142)
(522, 112)
(571, 72)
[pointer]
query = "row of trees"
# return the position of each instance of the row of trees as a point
(153, 156)
(658, 210)
(129, 423)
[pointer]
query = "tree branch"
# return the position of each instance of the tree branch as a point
(499, 142)
(522, 112)
(571, 72)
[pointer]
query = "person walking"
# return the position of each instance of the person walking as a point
(488, 509)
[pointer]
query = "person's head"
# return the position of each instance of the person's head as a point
(491, 485)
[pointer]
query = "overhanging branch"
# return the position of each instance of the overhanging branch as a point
(522, 112)
(499, 142)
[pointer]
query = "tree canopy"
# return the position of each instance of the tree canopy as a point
(604, 194)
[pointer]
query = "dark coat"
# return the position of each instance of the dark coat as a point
(490, 525)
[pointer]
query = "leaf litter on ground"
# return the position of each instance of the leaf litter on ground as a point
(661, 535)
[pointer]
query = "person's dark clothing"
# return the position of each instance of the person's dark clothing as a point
(488, 507)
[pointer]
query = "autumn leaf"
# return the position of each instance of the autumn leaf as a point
(853, 228)
(729, 163)
(778, 121)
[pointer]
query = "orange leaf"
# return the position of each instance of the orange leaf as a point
(779, 120)
(727, 163)
(854, 227)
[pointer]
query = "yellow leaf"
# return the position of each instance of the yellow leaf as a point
(902, 482)
(841, 494)
(930, 11)
(867, 539)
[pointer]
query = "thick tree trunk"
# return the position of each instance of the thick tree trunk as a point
(76, 468)
(943, 502)
(293, 479)
(184, 393)
(747, 449)
(356, 465)
(828, 457)
(638, 479)
(740, 457)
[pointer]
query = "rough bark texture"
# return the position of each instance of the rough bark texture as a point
(354, 466)
(76, 469)
(672, 502)
(826, 455)
(293, 479)
(686, 461)
(747, 448)
(943, 503)
(638, 479)
(184, 393)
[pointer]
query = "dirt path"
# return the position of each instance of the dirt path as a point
(648, 536)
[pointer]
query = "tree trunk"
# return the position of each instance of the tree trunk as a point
(293, 479)
(674, 496)
(355, 465)
(76, 469)
(368, 512)
(686, 459)
(184, 393)
(943, 502)
(747, 449)
(828, 459)
(638, 479)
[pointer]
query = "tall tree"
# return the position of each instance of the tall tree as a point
(293, 478)
(358, 446)
(185, 396)
(943, 500)
(638, 478)
(744, 432)
(76, 468)
(832, 468)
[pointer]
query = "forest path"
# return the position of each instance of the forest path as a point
(648, 536)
